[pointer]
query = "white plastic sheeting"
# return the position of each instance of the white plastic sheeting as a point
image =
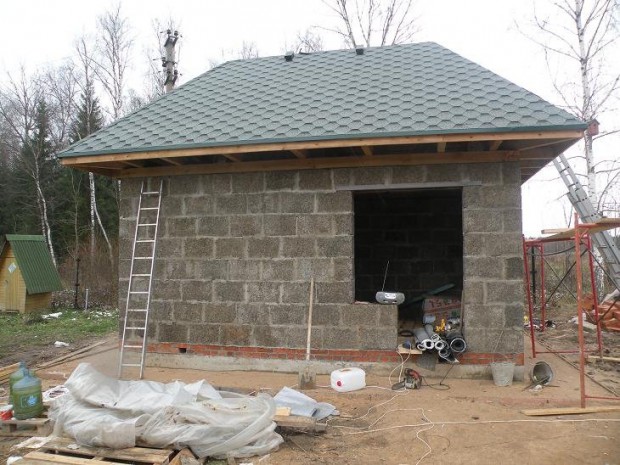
(303, 405)
(104, 412)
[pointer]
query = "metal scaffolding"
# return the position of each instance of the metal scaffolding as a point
(534, 255)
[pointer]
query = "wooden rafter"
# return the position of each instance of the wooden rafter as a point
(367, 150)
(299, 153)
(441, 147)
(493, 146)
(305, 145)
(133, 164)
(232, 157)
(172, 161)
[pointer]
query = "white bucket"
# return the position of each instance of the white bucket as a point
(348, 379)
(502, 372)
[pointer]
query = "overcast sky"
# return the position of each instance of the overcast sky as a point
(41, 32)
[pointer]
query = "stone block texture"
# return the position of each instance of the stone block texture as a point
(236, 253)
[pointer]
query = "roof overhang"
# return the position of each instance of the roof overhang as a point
(532, 149)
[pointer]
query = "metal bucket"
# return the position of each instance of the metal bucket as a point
(541, 373)
(502, 372)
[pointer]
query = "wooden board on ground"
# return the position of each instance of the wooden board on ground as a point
(25, 428)
(66, 451)
(596, 358)
(298, 423)
(569, 410)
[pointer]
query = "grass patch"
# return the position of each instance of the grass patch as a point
(19, 333)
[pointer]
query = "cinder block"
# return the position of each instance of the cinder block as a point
(473, 292)
(473, 244)
(444, 173)
(280, 225)
(280, 180)
(161, 310)
(511, 220)
(169, 248)
(340, 202)
(170, 207)
(205, 334)
(267, 336)
(408, 174)
(130, 187)
(503, 244)
(513, 268)
(297, 247)
(266, 247)
(277, 269)
(343, 269)
(252, 313)
(244, 270)
(166, 289)
(511, 173)
(482, 267)
(220, 313)
(295, 293)
(201, 247)
(314, 225)
(359, 315)
(343, 224)
(246, 225)
(264, 203)
(504, 292)
(230, 247)
(335, 292)
(203, 205)
(264, 292)
(214, 226)
(486, 173)
(499, 196)
(185, 185)
(342, 177)
(291, 314)
(297, 203)
(326, 315)
(181, 227)
(315, 180)
(339, 246)
(229, 291)
(471, 197)
(218, 183)
(211, 269)
(172, 332)
(370, 175)
(231, 204)
(514, 314)
(318, 268)
(484, 316)
(248, 182)
(196, 290)
(296, 336)
(188, 311)
(238, 335)
(482, 221)
(377, 338)
(340, 338)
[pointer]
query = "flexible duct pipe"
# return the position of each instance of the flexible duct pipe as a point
(440, 344)
(431, 333)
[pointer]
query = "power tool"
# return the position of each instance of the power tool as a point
(412, 380)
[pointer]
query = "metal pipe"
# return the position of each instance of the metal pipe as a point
(458, 345)
(422, 339)
(440, 344)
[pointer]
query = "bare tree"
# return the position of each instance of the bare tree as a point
(308, 42)
(112, 58)
(374, 22)
(582, 35)
(248, 50)
(21, 102)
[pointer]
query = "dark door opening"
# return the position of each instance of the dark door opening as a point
(420, 233)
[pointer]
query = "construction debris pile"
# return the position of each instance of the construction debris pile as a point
(104, 412)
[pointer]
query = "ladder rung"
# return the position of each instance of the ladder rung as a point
(143, 258)
(131, 365)
(138, 292)
(137, 310)
(142, 275)
(132, 346)
(148, 224)
(150, 193)
(136, 327)
(146, 240)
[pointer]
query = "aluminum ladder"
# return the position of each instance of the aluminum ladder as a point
(578, 197)
(138, 303)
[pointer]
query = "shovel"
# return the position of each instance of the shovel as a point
(307, 374)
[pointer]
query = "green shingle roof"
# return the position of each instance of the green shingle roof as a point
(35, 263)
(401, 90)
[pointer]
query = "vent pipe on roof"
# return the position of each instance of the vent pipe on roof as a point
(288, 56)
(359, 50)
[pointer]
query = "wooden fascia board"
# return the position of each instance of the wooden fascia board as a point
(366, 150)
(309, 145)
(320, 163)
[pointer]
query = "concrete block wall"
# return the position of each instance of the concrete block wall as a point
(236, 254)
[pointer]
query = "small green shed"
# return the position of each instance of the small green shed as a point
(27, 274)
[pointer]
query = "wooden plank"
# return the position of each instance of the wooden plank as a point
(171, 161)
(56, 361)
(441, 147)
(130, 454)
(299, 423)
(367, 150)
(596, 358)
(232, 158)
(495, 145)
(185, 457)
(569, 410)
(133, 163)
(65, 459)
(299, 153)
(283, 411)
(334, 143)
(28, 422)
(8, 370)
(319, 163)
(406, 185)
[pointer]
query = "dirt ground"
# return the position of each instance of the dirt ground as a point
(459, 421)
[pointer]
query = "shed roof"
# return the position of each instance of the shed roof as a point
(35, 263)
(399, 90)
